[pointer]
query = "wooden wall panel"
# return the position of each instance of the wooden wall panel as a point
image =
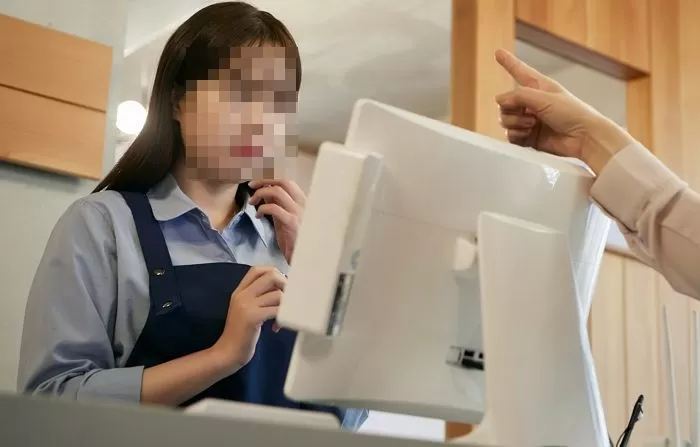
(694, 306)
(678, 310)
(54, 64)
(39, 132)
(608, 341)
(564, 18)
(617, 28)
(675, 132)
(639, 110)
(642, 347)
(625, 333)
(479, 28)
(666, 94)
(611, 28)
(689, 18)
(689, 63)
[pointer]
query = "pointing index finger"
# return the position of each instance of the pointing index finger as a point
(522, 73)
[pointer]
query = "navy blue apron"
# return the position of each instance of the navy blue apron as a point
(189, 304)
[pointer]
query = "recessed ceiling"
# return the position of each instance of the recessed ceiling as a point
(396, 52)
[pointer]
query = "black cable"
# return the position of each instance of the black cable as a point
(636, 415)
(617, 444)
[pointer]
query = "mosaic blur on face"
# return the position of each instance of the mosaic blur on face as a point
(240, 124)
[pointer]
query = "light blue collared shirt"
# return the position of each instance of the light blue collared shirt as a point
(90, 296)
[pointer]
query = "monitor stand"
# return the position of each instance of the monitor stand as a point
(541, 387)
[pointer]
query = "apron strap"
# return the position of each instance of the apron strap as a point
(165, 295)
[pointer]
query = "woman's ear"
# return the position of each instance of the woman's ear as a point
(176, 100)
(177, 107)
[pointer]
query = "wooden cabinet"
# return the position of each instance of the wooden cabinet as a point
(53, 99)
(40, 132)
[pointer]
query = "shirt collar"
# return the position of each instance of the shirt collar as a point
(250, 211)
(169, 202)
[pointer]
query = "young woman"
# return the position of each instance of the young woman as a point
(145, 292)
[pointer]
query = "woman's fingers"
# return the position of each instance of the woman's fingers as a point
(269, 299)
(266, 313)
(525, 98)
(518, 126)
(290, 187)
(268, 282)
(274, 194)
(509, 121)
(518, 136)
(279, 214)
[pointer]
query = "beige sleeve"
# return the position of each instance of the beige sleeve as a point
(657, 212)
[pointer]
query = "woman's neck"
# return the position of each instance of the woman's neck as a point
(216, 199)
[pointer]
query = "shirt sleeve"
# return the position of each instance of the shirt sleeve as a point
(354, 418)
(68, 329)
(657, 212)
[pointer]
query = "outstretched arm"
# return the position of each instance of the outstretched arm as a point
(658, 213)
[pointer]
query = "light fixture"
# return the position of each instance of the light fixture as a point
(131, 116)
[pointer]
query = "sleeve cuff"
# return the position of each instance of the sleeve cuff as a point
(630, 181)
(354, 418)
(122, 384)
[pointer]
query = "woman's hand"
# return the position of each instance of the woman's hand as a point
(255, 300)
(542, 114)
(284, 201)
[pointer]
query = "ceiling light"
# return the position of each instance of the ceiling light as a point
(131, 116)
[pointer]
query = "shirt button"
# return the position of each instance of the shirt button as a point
(159, 272)
(167, 305)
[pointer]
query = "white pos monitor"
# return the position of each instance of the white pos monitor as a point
(429, 253)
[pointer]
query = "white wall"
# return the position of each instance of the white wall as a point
(31, 201)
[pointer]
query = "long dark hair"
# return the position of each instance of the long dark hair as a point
(193, 50)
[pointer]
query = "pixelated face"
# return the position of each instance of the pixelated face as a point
(240, 124)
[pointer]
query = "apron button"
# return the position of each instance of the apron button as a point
(159, 272)
(167, 305)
